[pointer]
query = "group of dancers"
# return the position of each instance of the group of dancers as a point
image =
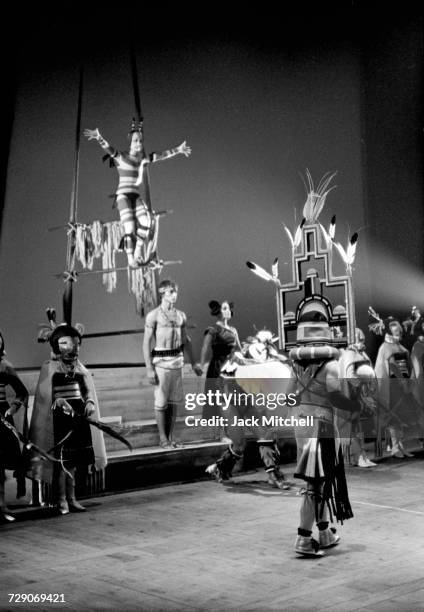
(336, 385)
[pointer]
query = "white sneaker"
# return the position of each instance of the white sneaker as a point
(364, 462)
(404, 451)
(371, 463)
(308, 547)
(396, 452)
(328, 538)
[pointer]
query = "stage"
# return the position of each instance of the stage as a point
(204, 546)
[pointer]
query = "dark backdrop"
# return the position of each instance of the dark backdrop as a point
(259, 97)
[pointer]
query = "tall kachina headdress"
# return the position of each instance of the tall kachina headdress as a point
(136, 126)
(313, 255)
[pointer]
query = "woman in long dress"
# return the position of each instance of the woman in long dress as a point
(220, 340)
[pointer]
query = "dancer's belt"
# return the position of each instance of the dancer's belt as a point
(71, 391)
(167, 352)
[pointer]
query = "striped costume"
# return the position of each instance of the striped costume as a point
(137, 220)
(78, 448)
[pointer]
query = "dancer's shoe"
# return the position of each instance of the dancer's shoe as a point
(307, 547)
(328, 538)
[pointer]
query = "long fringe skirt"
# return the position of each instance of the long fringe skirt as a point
(321, 465)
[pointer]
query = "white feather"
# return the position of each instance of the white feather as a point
(326, 235)
(289, 234)
(342, 252)
(350, 253)
(298, 236)
(275, 268)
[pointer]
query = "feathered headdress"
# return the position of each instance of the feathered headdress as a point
(295, 239)
(316, 197)
(378, 326)
(264, 274)
(46, 329)
(136, 126)
(348, 254)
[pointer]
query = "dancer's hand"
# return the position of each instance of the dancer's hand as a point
(92, 134)
(197, 369)
(152, 376)
(184, 149)
(89, 409)
(11, 411)
(64, 406)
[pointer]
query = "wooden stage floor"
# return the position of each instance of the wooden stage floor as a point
(207, 547)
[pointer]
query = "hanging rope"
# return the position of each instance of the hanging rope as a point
(70, 253)
(150, 277)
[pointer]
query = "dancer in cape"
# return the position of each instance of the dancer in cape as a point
(10, 452)
(164, 343)
(393, 371)
(320, 460)
(64, 397)
(221, 340)
(417, 361)
(137, 220)
(354, 360)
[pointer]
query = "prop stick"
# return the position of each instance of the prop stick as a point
(70, 254)
(159, 213)
(110, 270)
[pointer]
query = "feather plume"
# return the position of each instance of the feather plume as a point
(332, 227)
(295, 239)
(327, 237)
(289, 234)
(378, 326)
(348, 254)
(262, 273)
(275, 268)
(316, 197)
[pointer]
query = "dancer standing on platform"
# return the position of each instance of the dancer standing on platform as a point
(136, 218)
(165, 332)
(65, 394)
(221, 340)
(320, 459)
(10, 452)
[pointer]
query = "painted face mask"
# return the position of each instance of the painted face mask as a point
(69, 348)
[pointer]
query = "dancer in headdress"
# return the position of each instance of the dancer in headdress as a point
(10, 452)
(164, 343)
(64, 397)
(136, 218)
(320, 463)
(221, 340)
(353, 361)
(393, 371)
